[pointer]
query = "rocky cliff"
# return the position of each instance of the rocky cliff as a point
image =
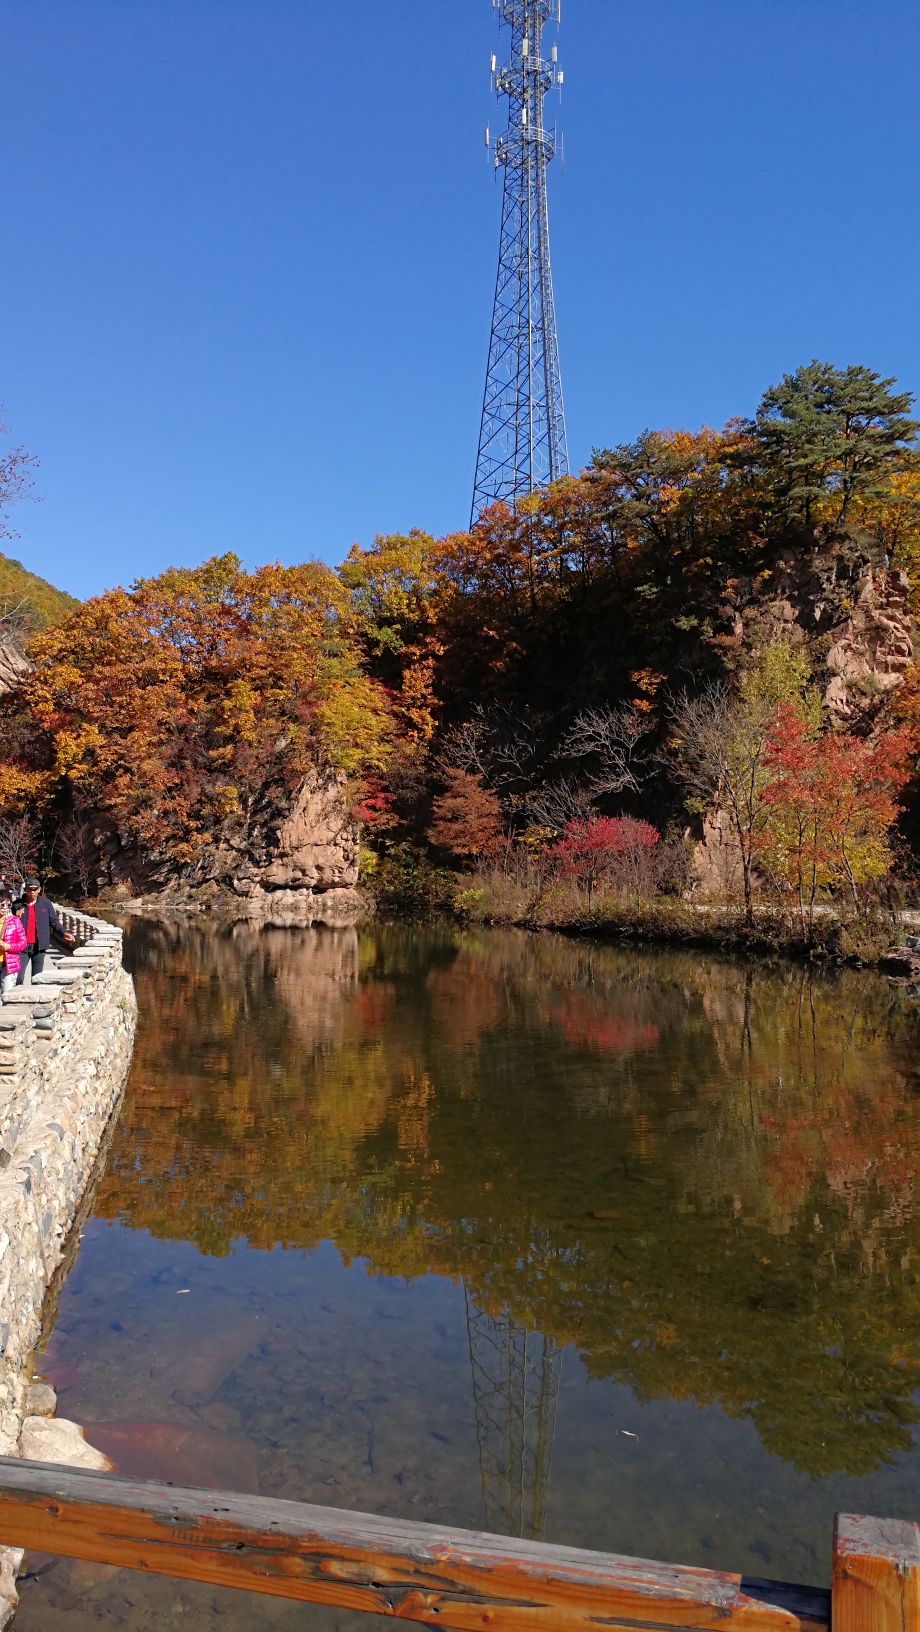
(309, 868)
(302, 870)
(14, 666)
(854, 616)
(851, 612)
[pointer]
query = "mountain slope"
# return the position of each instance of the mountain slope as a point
(44, 606)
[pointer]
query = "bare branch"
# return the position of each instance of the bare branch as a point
(78, 854)
(497, 745)
(612, 736)
(557, 803)
(18, 850)
(16, 481)
(466, 748)
(15, 619)
(701, 728)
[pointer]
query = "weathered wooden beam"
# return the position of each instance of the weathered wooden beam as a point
(415, 1572)
(875, 1584)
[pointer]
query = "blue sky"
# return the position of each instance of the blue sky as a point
(249, 249)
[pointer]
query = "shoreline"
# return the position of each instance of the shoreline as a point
(837, 941)
(65, 1050)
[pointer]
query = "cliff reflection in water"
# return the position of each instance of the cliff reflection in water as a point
(700, 1174)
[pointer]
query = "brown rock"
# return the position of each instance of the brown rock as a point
(41, 1400)
(14, 665)
(317, 845)
(873, 648)
(54, 1439)
(717, 864)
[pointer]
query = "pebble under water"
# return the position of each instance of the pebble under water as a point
(615, 1248)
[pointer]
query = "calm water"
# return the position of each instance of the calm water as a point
(619, 1248)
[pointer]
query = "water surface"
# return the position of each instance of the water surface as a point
(614, 1247)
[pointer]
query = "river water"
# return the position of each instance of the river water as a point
(619, 1248)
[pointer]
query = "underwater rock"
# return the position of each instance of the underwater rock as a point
(185, 1456)
(214, 1357)
(222, 1417)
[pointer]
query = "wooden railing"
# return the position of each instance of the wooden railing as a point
(453, 1578)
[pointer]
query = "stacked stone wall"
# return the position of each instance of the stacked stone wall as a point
(65, 1048)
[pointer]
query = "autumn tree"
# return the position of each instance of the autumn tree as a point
(592, 849)
(189, 708)
(467, 817)
(829, 804)
(720, 740)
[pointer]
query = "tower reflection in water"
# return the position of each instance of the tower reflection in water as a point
(515, 1392)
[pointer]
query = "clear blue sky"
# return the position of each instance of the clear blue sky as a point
(249, 249)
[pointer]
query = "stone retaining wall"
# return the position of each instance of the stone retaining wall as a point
(65, 1048)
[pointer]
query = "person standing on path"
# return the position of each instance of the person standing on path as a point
(12, 941)
(38, 919)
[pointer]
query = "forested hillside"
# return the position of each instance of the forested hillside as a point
(40, 604)
(705, 636)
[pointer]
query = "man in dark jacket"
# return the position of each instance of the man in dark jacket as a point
(38, 920)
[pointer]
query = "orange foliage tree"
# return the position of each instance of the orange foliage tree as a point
(467, 817)
(189, 708)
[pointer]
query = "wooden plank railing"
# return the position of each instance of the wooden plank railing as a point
(415, 1572)
(454, 1578)
(876, 1575)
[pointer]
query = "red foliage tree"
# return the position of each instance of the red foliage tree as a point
(603, 845)
(831, 801)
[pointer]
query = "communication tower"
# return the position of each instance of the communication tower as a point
(522, 443)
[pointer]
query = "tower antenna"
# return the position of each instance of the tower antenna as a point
(522, 441)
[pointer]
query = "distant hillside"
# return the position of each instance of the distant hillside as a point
(46, 605)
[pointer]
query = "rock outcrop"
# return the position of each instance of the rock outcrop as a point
(14, 665)
(716, 867)
(872, 649)
(302, 870)
(852, 613)
(313, 854)
(855, 618)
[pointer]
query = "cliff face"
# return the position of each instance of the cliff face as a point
(872, 649)
(855, 618)
(316, 847)
(303, 871)
(310, 866)
(14, 666)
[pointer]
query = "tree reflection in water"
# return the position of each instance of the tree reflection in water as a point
(699, 1173)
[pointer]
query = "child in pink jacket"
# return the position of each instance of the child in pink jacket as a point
(12, 941)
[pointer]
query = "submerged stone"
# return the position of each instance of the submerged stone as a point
(171, 1451)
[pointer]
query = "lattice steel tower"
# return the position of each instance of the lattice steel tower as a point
(522, 442)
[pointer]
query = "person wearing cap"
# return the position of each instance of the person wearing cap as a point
(12, 941)
(38, 919)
